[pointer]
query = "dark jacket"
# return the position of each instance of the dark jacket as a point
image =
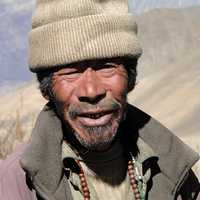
(42, 176)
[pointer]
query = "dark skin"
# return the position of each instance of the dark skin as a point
(90, 97)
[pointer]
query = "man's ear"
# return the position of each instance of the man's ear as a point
(46, 97)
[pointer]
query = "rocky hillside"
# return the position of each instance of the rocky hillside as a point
(167, 36)
(172, 95)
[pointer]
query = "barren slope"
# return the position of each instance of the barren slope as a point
(173, 95)
(167, 36)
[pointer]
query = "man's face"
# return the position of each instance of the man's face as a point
(90, 96)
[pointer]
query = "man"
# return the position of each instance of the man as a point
(88, 142)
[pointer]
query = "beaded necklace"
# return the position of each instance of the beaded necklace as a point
(136, 181)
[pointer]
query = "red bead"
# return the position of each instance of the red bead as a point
(84, 184)
(131, 171)
(130, 167)
(85, 189)
(136, 191)
(86, 194)
(137, 196)
(132, 176)
(134, 186)
(82, 179)
(132, 181)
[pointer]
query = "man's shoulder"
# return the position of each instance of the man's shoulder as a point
(13, 179)
(174, 158)
(11, 164)
(156, 135)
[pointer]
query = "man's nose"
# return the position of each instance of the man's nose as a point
(91, 89)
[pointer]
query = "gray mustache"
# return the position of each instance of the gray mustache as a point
(109, 104)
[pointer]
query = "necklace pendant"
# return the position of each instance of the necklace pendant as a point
(140, 181)
(142, 188)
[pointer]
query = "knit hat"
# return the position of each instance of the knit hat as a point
(68, 31)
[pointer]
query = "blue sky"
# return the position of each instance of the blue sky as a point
(135, 5)
(139, 6)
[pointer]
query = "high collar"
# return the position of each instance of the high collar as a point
(174, 158)
(42, 159)
(92, 156)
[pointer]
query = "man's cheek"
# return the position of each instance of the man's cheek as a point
(60, 109)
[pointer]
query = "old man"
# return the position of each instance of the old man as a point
(88, 142)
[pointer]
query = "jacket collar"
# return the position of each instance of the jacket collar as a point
(174, 157)
(42, 160)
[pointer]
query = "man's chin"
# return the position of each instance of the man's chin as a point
(97, 144)
(96, 138)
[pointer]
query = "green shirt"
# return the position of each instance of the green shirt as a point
(106, 173)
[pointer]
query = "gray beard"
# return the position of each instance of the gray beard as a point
(102, 136)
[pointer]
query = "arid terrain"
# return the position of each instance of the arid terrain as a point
(168, 85)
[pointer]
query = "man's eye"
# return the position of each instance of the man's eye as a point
(70, 75)
(107, 70)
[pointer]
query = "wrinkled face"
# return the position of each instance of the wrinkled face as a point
(90, 97)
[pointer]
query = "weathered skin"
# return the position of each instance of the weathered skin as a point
(92, 87)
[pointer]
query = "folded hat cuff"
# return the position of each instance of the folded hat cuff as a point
(83, 38)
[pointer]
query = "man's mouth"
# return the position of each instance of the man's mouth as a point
(95, 118)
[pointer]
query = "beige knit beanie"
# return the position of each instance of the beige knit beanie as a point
(68, 31)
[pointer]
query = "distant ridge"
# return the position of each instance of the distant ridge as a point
(167, 36)
(172, 95)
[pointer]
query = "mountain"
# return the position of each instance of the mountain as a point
(169, 73)
(172, 95)
(167, 35)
